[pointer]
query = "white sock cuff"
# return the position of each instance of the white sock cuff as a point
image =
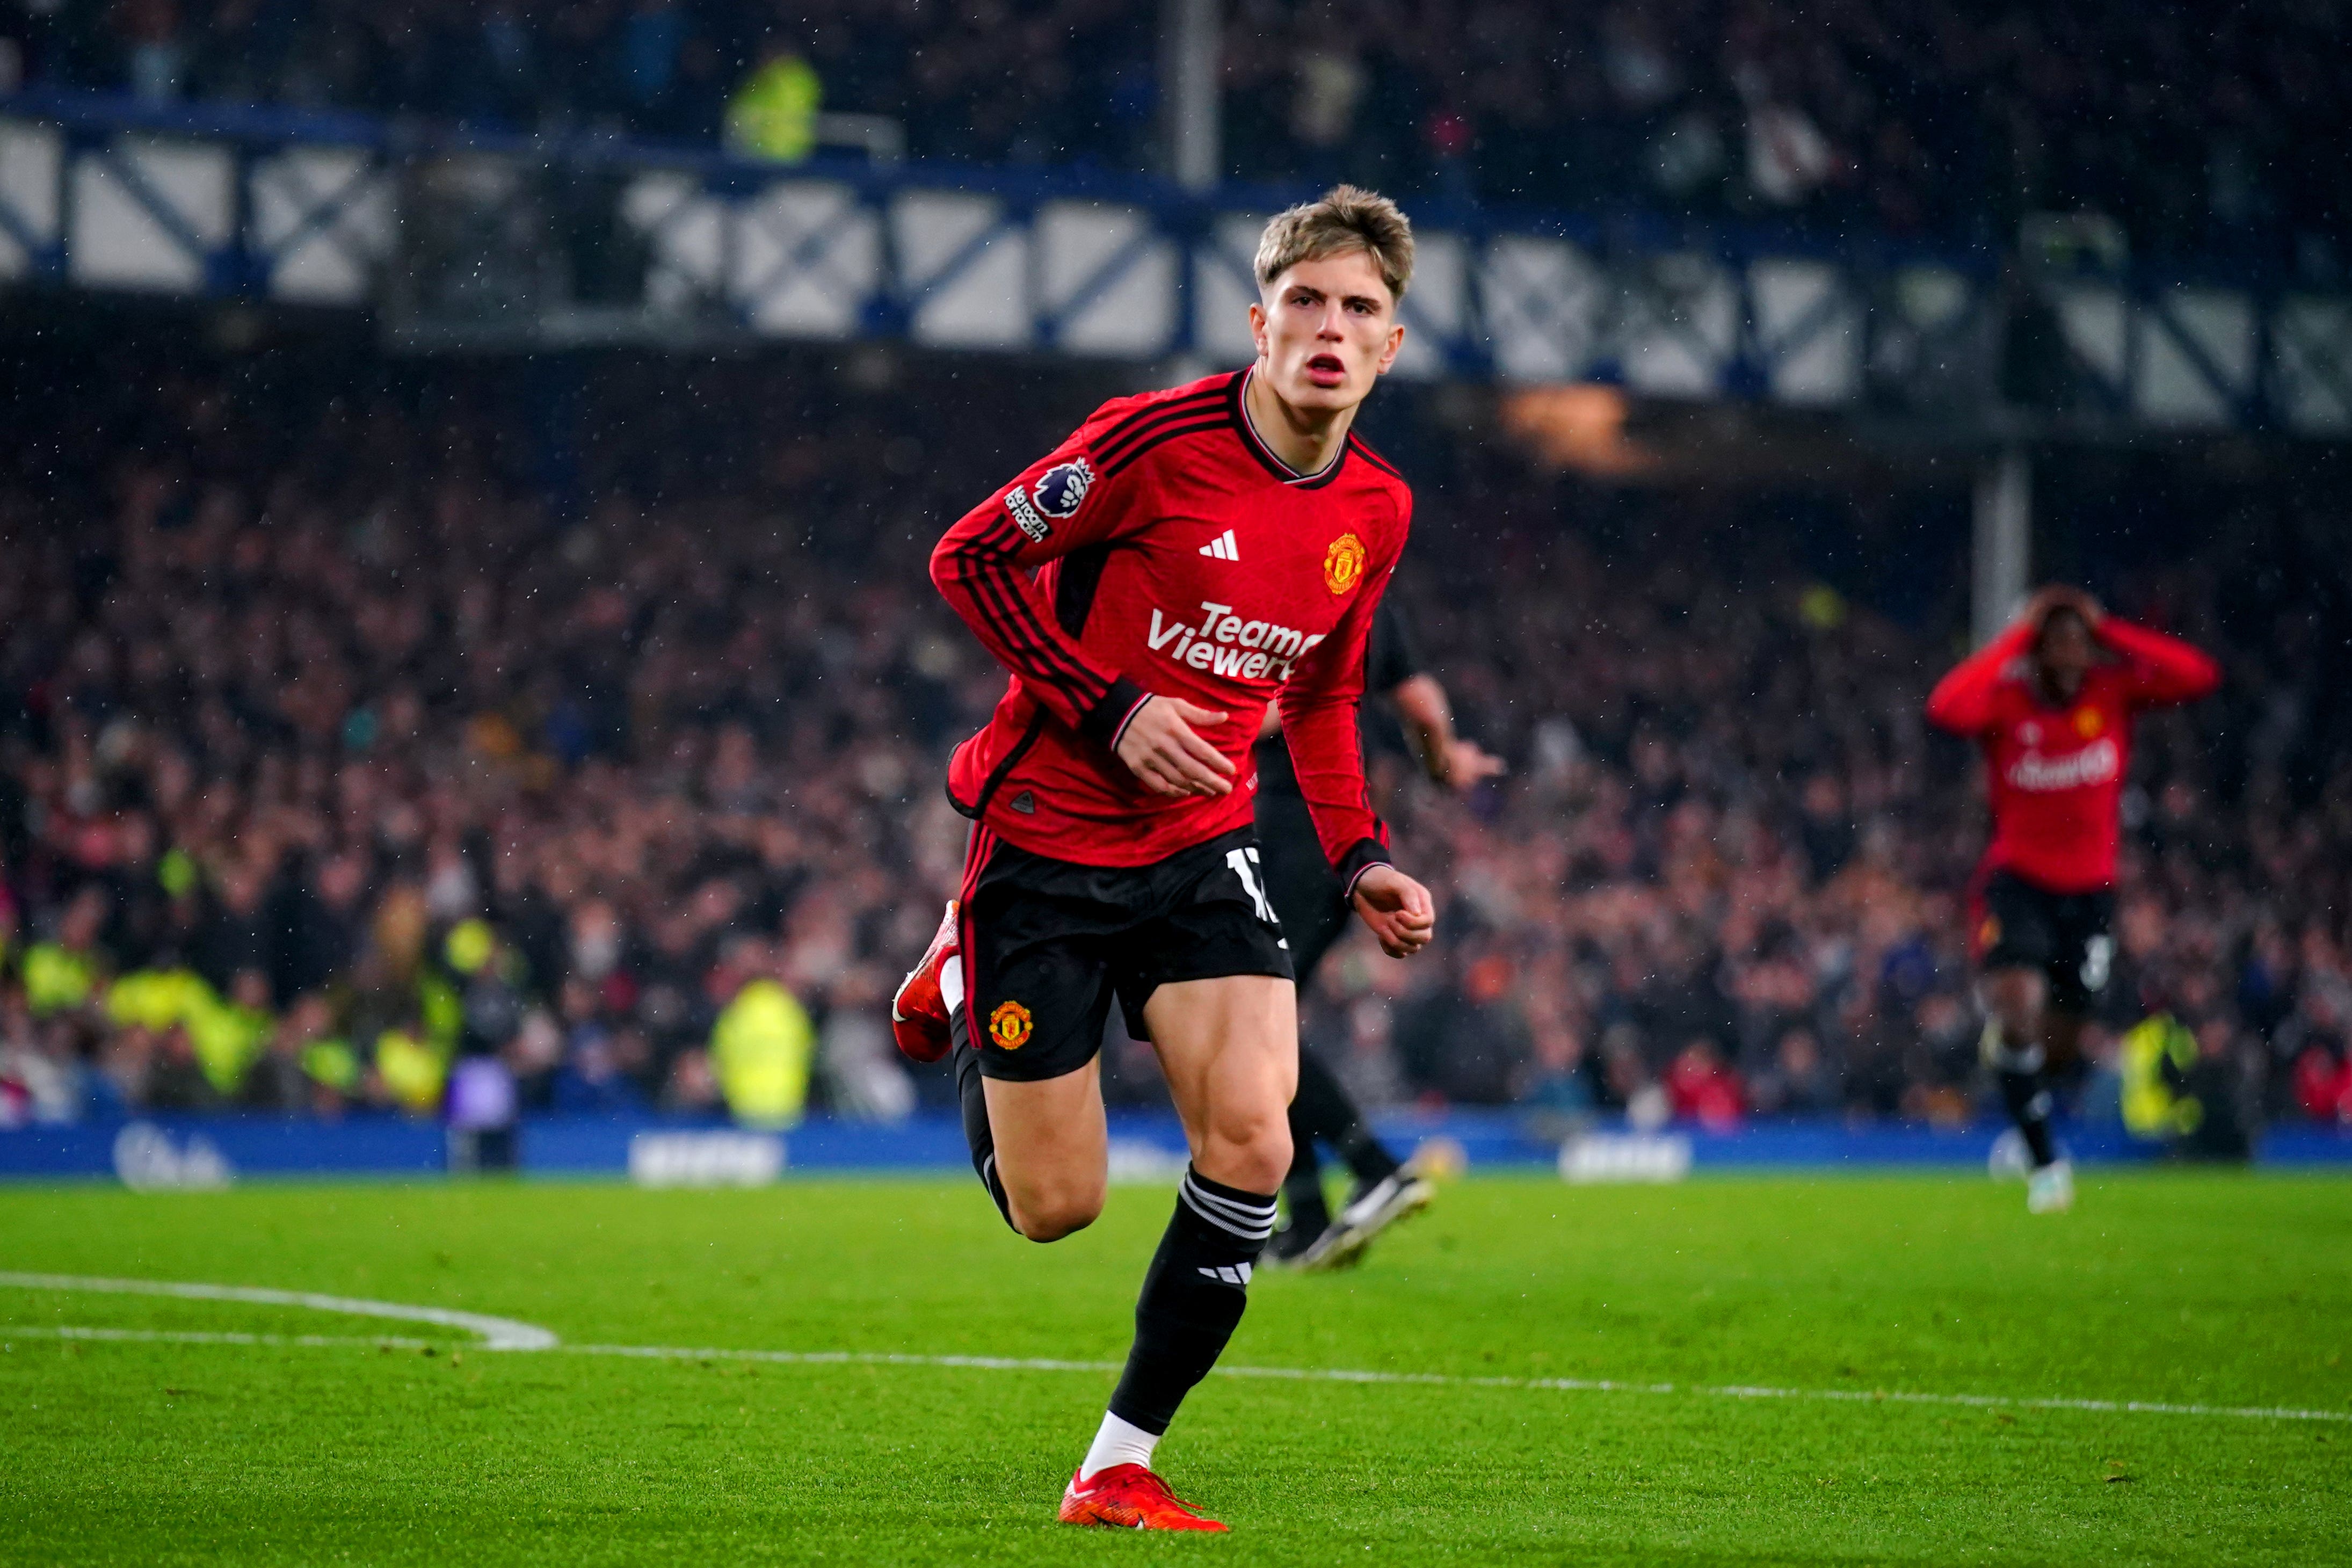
(1119, 1442)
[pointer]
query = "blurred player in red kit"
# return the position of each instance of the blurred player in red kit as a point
(1185, 558)
(2050, 700)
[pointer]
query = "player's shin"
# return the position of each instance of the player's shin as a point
(1302, 1188)
(1323, 1108)
(1192, 1298)
(2018, 1071)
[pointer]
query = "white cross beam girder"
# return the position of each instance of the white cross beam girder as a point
(99, 195)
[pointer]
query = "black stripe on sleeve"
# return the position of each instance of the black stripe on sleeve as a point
(1002, 609)
(1086, 684)
(1118, 432)
(1017, 621)
(1216, 421)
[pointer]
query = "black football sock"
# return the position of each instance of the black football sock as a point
(1302, 1188)
(1323, 1109)
(2018, 1070)
(976, 1130)
(1192, 1297)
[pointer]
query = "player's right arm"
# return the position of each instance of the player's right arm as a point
(1962, 701)
(985, 567)
(1451, 760)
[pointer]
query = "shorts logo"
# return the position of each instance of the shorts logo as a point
(1009, 1026)
(1061, 488)
(1990, 933)
(1343, 566)
(2087, 723)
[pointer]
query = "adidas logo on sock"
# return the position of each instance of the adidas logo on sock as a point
(1223, 547)
(1230, 1274)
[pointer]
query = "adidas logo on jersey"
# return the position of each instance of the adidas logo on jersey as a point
(1223, 547)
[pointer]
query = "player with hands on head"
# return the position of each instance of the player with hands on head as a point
(2050, 703)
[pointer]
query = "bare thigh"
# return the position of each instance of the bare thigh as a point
(1229, 1047)
(1051, 1146)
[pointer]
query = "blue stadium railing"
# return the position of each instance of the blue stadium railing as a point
(169, 1152)
(345, 210)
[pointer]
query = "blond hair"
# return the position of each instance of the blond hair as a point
(1345, 218)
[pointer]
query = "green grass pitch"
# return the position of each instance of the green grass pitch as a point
(2224, 1291)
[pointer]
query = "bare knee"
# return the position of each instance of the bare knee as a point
(2014, 996)
(1052, 1214)
(1251, 1153)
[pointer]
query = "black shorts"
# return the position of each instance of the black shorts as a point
(1303, 889)
(1047, 944)
(2064, 935)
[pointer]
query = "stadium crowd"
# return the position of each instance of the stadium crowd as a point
(355, 726)
(2197, 132)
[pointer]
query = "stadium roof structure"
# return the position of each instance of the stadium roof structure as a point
(471, 243)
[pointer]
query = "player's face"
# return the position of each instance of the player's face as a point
(2065, 651)
(1326, 331)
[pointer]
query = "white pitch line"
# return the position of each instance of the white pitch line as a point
(200, 1336)
(507, 1334)
(1444, 1379)
(497, 1333)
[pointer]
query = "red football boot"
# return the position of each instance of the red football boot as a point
(919, 1012)
(1128, 1496)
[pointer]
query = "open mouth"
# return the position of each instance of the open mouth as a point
(1325, 369)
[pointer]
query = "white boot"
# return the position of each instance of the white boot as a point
(2051, 1189)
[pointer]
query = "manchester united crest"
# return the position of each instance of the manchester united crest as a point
(1009, 1026)
(1343, 566)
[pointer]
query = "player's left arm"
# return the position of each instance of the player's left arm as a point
(2163, 669)
(1319, 704)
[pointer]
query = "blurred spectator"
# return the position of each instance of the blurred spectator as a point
(331, 757)
(773, 116)
(2191, 133)
(1701, 1088)
(1797, 1082)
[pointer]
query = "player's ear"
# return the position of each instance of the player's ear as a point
(1257, 327)
(1389, 354)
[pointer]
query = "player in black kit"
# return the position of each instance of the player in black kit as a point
(1308, 899)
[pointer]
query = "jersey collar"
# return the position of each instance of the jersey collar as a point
(1281, 470)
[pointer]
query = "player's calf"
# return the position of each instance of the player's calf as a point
(1193, 1299)
(2015, 997)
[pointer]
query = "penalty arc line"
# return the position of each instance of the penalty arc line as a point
(507, 1334)
(496, 1333)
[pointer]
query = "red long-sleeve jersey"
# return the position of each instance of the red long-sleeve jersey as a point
(1163, 549)
(2056, 773)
